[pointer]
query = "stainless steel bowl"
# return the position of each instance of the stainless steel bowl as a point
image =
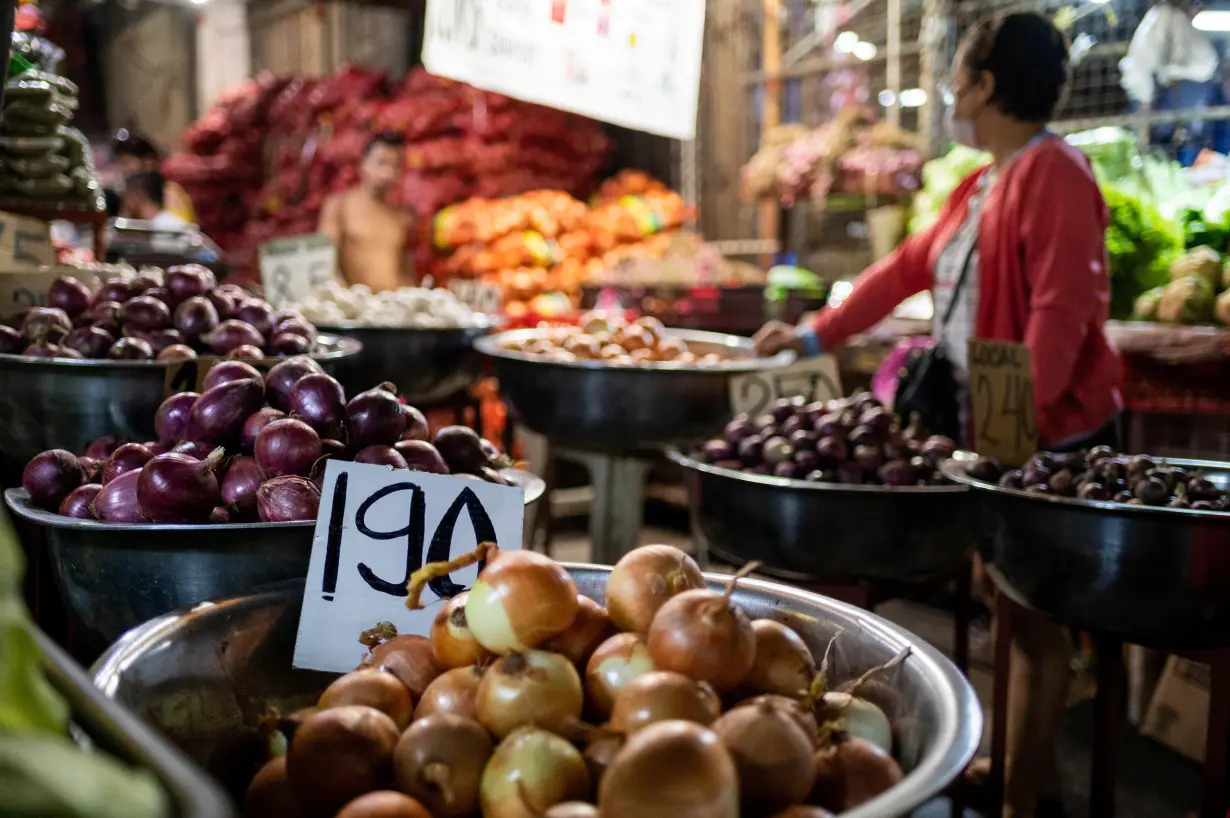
(116, 576)
(55, 403)
(593, 406)
(205, 676)
(828, 531)
(1154, 576)
(428, 365)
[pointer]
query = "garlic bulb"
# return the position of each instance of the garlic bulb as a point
(407, 307)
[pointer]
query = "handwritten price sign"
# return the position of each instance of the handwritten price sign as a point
(294, 268)
(813, 379)
(1002, 392)
(25, 242)
(375, 528)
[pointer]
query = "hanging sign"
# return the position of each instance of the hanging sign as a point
(294, 268)
(1001, 391)
(634, 63)
(25, 242)
(376, 527)
(813, 379)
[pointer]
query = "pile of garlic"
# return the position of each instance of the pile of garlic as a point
(407, 307)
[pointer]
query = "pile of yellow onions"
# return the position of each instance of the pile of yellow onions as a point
(529, 701)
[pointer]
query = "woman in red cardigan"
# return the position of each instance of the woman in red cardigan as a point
(1020, 243)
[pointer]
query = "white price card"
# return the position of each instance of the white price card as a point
(292, 269)
(813, 379)
(25, 242)
(476, 295)
(634, 63)
(376, 527)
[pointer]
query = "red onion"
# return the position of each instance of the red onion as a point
(176, 488)
(296, 324)
(11, 342)
(126, 458)
(160, 339)
(156, 448)
(91, 468)
(117, 502)
(106, 315)
(162, 295)
(257, 313)
(287, 499)
(416, 425)
(70, 295)
(251, 353)
(461, 448)
(287, 446)
(230, 334)
(171, 420)
(286, 315)
(379, 455)
(239, 485)
(189, 280)
(46, 324)
(50, 476)
(116, 289)
(194, 448)
(283, 376)
(131, 349)
(223, 302)
(218, 415)
(319, 401)
(219, 516)
(421, 456)
(144, 312)
(228, 371)
(43, 351)
(252, 426)
(92, 342)
(101, 448)
(375, 417)
(177, 352)
(288, 343)
(77, 503)
(332, 448)
(196, 316)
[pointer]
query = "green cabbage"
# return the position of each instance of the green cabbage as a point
(940, 178)
(1141, 244)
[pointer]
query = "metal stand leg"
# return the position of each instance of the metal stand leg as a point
(1217, 753)
(1108, 713)
(962, 615)
(1004, 611)
(619, 504)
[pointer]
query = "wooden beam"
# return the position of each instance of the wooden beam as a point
(771, 106)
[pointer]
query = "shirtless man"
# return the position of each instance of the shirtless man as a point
(370, 234)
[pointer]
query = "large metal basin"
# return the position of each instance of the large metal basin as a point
(1154, 576)
(592, 406)
(428, 365)
(828, 532)
(50, 403)
(114, 577)
(205, 676)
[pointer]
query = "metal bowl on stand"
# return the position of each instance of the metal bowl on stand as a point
(115, 576)
(205, 677)
(429, 365)
(64, 403)
(1152, 575)
(828, 532)
(594, 406)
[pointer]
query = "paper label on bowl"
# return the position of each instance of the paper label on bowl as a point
(813, 379)
(1001, 389)
(293, 269)
(188, 375)
(25, 242)
(376, 527)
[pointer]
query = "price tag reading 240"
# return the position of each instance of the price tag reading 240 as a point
(376, 527)
(1002, 394)
(813, 379)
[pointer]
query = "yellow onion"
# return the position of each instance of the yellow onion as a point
(531, 771)
(856, 716)
(669, 770)
(530, 688)
(384, 804)
(454, 691)
(615, 663)
(772, 754)
(642, 581)
(590, 629)
(372, 687)
(705, 636)
(783, 664)
(521, 600)
(452, 643)
(661, 696)
(439, 760)
(850, 771)
(339, 754)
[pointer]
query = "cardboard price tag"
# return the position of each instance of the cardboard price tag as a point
(22, 287)
(476, 295)
(814, 379)
(376, 527)
(189, 375)
(294, 268)
(1002, 393)
(25, 242)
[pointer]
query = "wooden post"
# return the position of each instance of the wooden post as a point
(771, 108)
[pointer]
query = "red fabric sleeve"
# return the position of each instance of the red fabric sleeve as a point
(888, 282)
(1063, 251)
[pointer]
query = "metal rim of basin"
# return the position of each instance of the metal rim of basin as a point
(338, 348)
(692, 463)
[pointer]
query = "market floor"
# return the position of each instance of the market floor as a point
(1154, 781)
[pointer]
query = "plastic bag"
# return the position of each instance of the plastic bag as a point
(38, 167)
(1166, 48)
(30, 145)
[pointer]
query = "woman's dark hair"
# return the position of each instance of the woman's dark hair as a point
(1028, 56)
(152, 184)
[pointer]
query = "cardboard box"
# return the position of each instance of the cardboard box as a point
(1178, 714)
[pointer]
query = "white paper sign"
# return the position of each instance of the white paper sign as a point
(376, 527)
(292, 269)
(634, 63)
(476, 295)
(815, 378)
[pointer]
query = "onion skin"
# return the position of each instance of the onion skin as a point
(416, 425)
(282, 378)
(461, 448)
(532, 770)
(177, 352)
(239, 485)
(230, 334)
(287, 500)
(117, 502)
(102, 447)
(11, 342)
(129, 457)
(50, 476)
(421, 456)
(670, 769)
(145, 313)
(850, 771)
(91, 342)
(46, 325)
(339, 754)
(643, 580)
(374, 688)
(857, 717)
(246, 352)
(772, 755)
(228, 371)
(319, 401)
(257, 314)
(269, 795)
(131, 349)
(116, 289)
(454, 692)
(783, 664)
(177, 488)
(195, 317)
(171, 421)
(189, 280)
(704, 636)
(219, 413)
(381, 456)
(287, 446)
(70, 295)
(590, 629)
(440, 760)
(91, 469)
(193, 448)
(375, 417)
(384, 804)
(662, 696)
(521, 600)
(531, 688)
(409, 658)
(77, 503)
(289, 343)
(802, 714)
(252, 426)
(452, 643)
(615, 663)
(295, 325)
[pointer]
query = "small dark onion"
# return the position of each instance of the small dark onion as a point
(131, 349)
(287, 446)
(319, 401)
(296, 325)
(160, 339)
(11, 342)
(117, 502)
(70, 295)
(77, 503)
(91, 468)
(43, 351)
(287, 314)
(493, 476)
(252, 426)
(116, 289)
(230, 334)
(106, 315)
(101, 448)
(50, 476)
(177, 488)
(196, 316)
(145, 313)
(92, 342)
(129, 457)
(381, 456)
(289, 343)
(332, 448)
(189, 280)
(715, 450)
(287, 499)
(246, 352)
(257, 313)
(145, 282)
(171, 420)
(228, 371)
(239, 484)
(375, 417)
(416, 425)
(162, 295)
(219, 516)
(194, 448)
(156, 447)
(223, 302)
(282, 378)
(46, 324)
(177, 352)
(461, 448)
(219, 414)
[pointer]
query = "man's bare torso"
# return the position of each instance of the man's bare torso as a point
(370, 237)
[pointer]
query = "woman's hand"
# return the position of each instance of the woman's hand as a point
(775, 336)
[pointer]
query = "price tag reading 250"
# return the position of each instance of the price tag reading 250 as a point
(812, 379)
(376, 527)
(1002, 394)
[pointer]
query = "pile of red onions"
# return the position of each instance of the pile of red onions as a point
(250, 448)
(179, 314)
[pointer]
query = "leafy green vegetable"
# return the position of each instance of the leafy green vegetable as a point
(940, 178)
(1141, 245)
